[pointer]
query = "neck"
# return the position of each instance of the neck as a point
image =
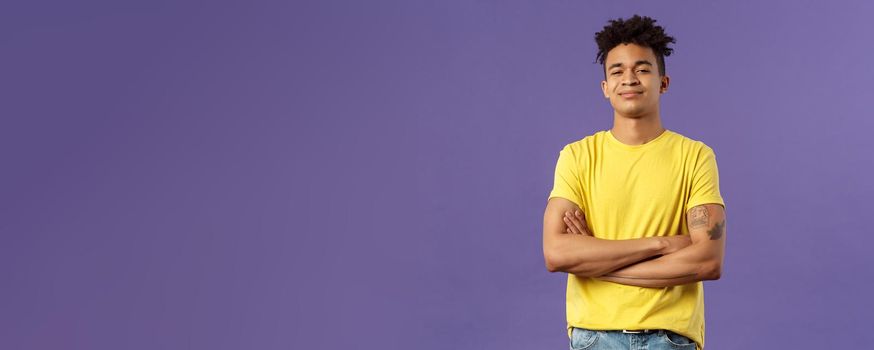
(636, 131)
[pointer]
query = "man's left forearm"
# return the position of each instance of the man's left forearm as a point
(691, 264)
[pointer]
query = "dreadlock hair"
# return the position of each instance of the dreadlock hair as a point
(637, 30)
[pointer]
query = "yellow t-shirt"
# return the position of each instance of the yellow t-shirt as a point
(635, 191)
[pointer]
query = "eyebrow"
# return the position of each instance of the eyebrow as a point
(635, 63)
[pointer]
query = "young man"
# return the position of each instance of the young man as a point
(635, 217)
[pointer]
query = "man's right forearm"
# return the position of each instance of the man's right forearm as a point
(587, 256)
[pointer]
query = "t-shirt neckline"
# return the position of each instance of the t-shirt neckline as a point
(652, 142)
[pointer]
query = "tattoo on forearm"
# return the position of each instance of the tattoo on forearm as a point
(699, 217)
(717, 231)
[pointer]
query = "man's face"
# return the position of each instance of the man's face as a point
(633, 83)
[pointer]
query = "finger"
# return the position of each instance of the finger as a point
(567, 225)
(575, 226)
(582, 217)
(577, 223)
(570, 225)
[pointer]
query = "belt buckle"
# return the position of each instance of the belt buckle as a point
(635, 332)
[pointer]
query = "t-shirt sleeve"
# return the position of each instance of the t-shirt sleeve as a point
(567, 182)
(705, 181)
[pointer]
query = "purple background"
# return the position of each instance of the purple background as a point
(325, 175)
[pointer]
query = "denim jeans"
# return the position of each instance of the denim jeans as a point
(584, 339)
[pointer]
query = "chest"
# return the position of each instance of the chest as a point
(650, 182)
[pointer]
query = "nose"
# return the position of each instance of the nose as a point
(629, 78)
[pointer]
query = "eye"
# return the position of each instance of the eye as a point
(616, 73)
(643, 70)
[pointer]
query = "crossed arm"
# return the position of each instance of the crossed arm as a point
(652, 262)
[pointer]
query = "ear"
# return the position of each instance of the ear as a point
(604, 89)
(666, 80)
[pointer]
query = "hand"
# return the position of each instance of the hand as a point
(576, 223)
(675, 243)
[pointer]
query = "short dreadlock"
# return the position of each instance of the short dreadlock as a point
(637, 30)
